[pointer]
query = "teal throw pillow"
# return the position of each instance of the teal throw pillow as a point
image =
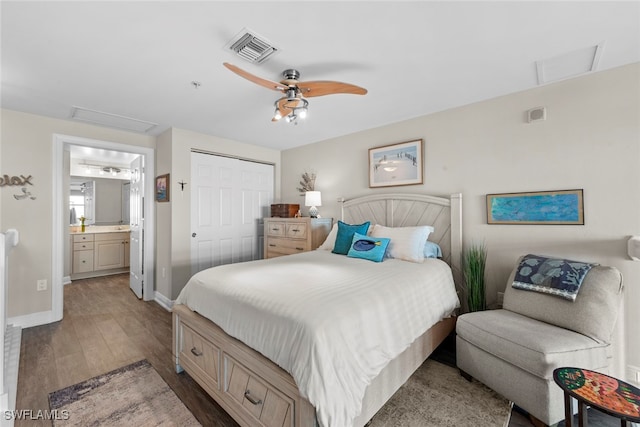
(371, 248)
(345, 236)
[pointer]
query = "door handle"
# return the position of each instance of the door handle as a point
(193, 234)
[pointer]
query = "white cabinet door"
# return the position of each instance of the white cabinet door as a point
(229, 198)
(109, 254)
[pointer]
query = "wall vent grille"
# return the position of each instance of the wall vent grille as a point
(252, 47)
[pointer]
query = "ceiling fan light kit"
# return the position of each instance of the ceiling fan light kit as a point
(293, 105)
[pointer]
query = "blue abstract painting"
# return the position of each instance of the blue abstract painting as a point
(541, 207)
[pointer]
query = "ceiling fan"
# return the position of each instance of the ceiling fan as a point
(293, 104)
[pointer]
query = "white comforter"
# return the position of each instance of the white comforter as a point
(331, 321)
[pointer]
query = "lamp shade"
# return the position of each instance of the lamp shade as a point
(312, 198)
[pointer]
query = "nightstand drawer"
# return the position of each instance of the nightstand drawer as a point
(286, 236)
(286, 246)
(296, 230)
(274, 228)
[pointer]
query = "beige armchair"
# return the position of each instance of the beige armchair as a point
(514, 350)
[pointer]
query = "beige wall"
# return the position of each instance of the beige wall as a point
(590, 140)
(174, 153)
(163, 216)
(26, 148)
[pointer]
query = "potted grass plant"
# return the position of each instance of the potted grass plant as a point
(474, 260)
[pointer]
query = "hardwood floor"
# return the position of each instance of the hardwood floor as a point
(104, 327)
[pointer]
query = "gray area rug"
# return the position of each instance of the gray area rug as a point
(436, 395)
(134, 395)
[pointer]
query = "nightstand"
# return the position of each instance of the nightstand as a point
(286, 236)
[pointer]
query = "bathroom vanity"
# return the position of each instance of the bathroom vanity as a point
(99, 251)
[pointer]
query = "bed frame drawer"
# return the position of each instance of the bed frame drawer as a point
(252, 389)
(201, 356)
(258, 399)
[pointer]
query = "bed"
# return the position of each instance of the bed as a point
(236, 327)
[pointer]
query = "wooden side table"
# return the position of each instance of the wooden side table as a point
(607, 394)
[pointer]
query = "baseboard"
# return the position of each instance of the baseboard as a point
(633, 375)
(66, 280)
(33, 319)
(163, 301)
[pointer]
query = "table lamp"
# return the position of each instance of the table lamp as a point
(313, 199)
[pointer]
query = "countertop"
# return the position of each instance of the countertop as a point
(94, 229)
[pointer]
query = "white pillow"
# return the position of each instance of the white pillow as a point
(330, 241)
(407, 243)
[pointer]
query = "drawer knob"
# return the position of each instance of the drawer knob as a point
(252, 399)
(272, 245)
(295, 230)
(196, 352)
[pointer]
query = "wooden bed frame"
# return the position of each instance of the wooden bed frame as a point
(254, 390)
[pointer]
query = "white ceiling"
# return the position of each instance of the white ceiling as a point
(138, 59)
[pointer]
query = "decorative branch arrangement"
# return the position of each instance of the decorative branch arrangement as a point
(307, 183)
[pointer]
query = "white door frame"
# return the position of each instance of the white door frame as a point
(60, 142)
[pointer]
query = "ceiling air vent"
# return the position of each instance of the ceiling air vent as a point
(252, 47)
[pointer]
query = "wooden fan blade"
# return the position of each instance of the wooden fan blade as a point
(255, 79)
(284, 107)
(320, 88)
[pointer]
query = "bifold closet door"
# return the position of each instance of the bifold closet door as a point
(229, 198)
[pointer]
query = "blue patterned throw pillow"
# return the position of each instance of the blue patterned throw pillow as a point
(560, 277)
(345, 236)
(371, 248)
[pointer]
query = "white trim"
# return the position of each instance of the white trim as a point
(60, 142)
(66, 280)
(164, 302)
(33, 319)
(633, 375)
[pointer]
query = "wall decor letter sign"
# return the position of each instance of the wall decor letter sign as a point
(15, 180)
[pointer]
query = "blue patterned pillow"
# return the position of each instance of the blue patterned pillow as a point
(371, 248)
(554, 276)
(345, 236)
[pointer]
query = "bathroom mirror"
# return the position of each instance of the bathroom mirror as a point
(102, 201)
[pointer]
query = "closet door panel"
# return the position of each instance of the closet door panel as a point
(229, 198)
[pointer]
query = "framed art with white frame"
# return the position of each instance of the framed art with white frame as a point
(396, 164)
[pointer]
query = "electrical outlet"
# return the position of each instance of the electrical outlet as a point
(41, 285)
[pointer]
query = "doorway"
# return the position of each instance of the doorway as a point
(60, 226)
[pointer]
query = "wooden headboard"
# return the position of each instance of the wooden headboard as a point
(407, 210)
